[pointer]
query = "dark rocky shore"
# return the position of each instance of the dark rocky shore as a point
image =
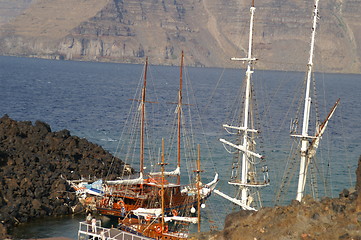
(337, 218)
(32, 160)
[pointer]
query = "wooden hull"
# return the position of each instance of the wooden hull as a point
(125, 199)
(151, 230)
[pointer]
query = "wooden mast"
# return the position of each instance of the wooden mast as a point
(142, 120)
(179, 116)
(162, 188)
(198, 171)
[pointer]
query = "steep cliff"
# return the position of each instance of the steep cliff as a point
(209, 31)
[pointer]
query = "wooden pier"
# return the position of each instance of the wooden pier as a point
(85, 232)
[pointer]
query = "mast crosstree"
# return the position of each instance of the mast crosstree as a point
(248, 179)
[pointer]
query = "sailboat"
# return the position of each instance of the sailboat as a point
(309, 142)
(154, 223)
(127, 195)
(249, 171)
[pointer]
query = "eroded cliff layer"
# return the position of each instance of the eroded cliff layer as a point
(210, 32)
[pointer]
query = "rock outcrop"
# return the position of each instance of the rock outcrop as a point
(338, 218)
(32, 160)
(210, 32)
(358, 186)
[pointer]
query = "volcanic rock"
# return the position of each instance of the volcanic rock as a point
(337, 218)
(358, 186)
(33, 162)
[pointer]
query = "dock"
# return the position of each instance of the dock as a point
(85, 232)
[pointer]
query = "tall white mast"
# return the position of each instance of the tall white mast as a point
(179, 109)
(249, 72)
(245, 183)
(306, 112)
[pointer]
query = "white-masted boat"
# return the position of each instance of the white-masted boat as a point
(249, 170)
(305, 143)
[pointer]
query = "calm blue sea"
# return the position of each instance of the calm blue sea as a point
(92, 101)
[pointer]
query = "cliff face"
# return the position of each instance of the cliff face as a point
(209, 31)
(11, 9)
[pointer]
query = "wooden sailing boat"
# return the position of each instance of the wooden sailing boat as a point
(154, 223)
(309, 143)
(149, 207)
(149, 222)
(124, 196)
(245, 169)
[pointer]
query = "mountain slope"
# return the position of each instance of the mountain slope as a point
(209, 31)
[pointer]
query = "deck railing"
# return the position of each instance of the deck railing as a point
(101, 233)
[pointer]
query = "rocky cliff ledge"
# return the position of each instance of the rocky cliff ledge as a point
(209, 31)
(32, 159)
(338, 218)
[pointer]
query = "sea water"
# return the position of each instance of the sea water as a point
(92, 101)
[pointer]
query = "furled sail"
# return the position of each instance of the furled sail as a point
(193, 220)
(211, 185)
(127, 181)
(175, 172)
(311, 151)
(153, 212)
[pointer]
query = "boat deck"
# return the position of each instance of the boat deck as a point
(101, 233)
